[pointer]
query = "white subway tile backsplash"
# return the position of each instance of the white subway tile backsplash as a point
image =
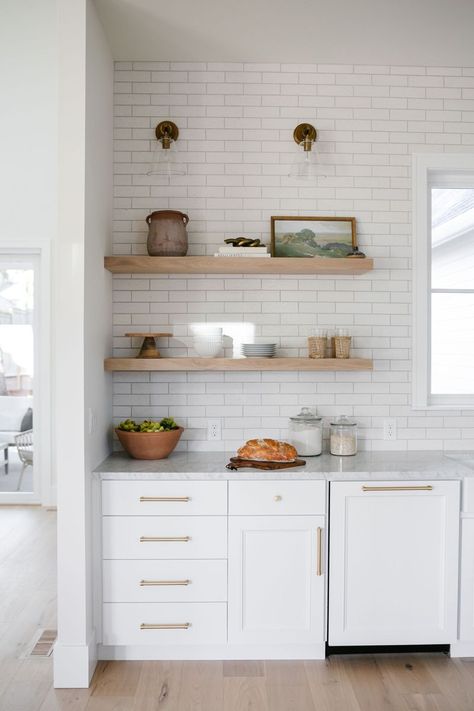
(236, 122)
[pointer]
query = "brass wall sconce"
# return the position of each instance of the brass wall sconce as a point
(165, 157)
(306, 167)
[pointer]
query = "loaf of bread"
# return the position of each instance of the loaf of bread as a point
(267, 450)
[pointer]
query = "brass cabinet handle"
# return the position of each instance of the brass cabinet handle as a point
(164, 498)
(165, 626)
(428, 487)
(164, 539)
(145, 583)
(319, 547)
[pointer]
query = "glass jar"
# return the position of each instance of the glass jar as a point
(343, 438)
(306, 433)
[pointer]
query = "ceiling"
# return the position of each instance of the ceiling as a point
(403, 32)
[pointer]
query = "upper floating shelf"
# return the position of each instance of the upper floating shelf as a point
(236, 265)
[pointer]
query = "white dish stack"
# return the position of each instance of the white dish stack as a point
(258, 350)
(207, 340)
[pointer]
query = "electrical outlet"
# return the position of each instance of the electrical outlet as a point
(390, 429)
(214, 429)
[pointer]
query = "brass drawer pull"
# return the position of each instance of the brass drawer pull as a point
(428, 487)
(164, 539)
(164, 498)
(319, 546)
(149, 583)
(168, 626)
(277, 497)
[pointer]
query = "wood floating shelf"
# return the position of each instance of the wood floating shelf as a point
(237, 265)
(290, 364)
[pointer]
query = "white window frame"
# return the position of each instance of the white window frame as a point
(424, 169)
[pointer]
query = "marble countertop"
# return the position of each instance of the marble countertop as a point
(363, 466)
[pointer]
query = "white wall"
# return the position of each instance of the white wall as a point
(436, 32)
(71, 657)
(98, 239)
(97, 281)
(28, 178)
(236, 123)
(81, 322)
(28, 120)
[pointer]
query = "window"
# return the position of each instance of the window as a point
(443, 338)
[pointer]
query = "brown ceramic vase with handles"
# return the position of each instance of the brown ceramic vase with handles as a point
(167, 236)
(149, 445)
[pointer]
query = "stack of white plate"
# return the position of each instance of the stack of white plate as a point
(258, 350)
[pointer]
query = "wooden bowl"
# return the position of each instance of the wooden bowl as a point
(149, 445)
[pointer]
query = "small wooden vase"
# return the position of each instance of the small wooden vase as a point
(149, 349)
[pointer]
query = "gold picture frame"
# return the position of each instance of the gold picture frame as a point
(334, 238)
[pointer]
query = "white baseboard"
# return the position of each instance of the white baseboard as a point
(211, 652)
(74, 665)
(462, 649)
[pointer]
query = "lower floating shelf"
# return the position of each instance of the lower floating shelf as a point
(144, 364)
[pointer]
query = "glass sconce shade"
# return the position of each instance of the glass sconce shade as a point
(165, 159)
(307, 165)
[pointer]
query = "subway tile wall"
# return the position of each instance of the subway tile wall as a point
(236, 123)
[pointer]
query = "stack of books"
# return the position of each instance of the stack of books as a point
(229, 251)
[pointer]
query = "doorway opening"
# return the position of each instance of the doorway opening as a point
(19, 357)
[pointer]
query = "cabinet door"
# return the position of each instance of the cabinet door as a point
(466, 616)
(393, 562)
(276, 579)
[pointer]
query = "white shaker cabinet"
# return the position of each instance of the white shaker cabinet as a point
(183, 579)
(393, 562)
(276, 581)
(277, 565)
(465, 645)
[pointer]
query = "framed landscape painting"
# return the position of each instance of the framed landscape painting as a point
(330, 237)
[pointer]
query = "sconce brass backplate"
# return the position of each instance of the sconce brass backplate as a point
(304, 131)
(166, 129)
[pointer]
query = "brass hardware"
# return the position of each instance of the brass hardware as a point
(319, 544)
(428, 487)
(170, 626)
(164, 498)
(164, 539)
(166, 131)
(149, 583)
(305, 134)
(277, 498)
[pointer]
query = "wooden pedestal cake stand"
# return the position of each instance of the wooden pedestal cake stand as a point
(149, 349)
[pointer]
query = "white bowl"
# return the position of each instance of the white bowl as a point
(208, 338)
(206, 349)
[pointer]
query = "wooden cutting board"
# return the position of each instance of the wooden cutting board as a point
(238, 463)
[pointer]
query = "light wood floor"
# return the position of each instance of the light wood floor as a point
(370, 683)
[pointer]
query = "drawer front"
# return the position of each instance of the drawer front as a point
(259, 498)
(165, 623)
(164, 498)
(164, 537)
(164, 581)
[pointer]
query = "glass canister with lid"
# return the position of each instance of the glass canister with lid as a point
(343, 437)
(306, 432)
